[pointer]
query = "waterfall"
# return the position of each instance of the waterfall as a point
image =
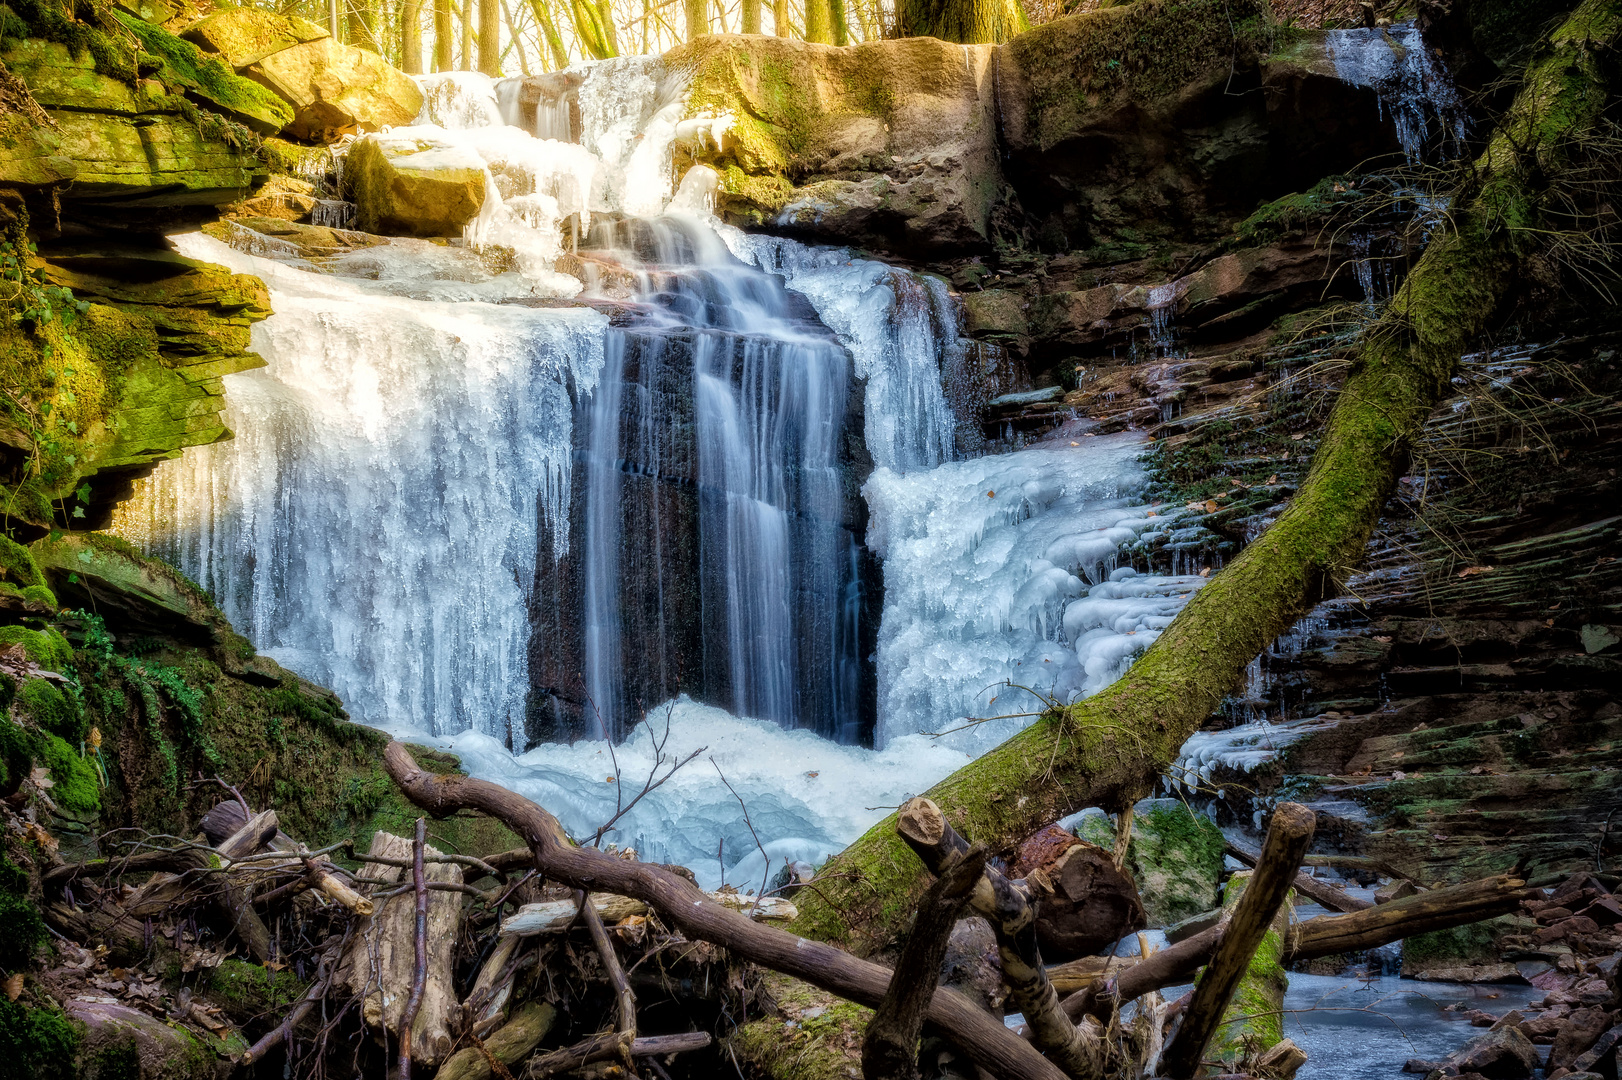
(368, 521)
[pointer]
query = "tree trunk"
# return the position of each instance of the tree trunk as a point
(818, 22)
(967, 22)
(489, 37)
(751, 16)
(363, 25)
(549, 30)
(444, 37)
(411, 36)
(780, 20)
(465, 15)
(1108, 750)
(698, 18)
(840, 21)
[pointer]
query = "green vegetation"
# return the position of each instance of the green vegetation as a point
(1175, 856)
(36, 1044)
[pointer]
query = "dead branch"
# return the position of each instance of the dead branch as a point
(318, 990)
(624, 999)
(607, 1047)
(890, 1046)
(419, 969)
(1288, 835)
(1076, 1048)
(1330, 897)
(688, 910)
(508, 1045)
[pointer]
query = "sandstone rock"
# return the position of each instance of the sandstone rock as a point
(335, 89)
(164, 162)
(243, 35)
(405, 186)
(1577, 1035)
(1577, 924)
(888, 144)
(995, 315)
(1498, 1055)
(208, 81)
(1395, 891)
(283, 197)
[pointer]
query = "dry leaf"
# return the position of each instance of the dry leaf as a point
(1212, 506)
(1272, 479)
(14, 986)
(1472, 571)
(1298, 436)
(991, 494)
(1205, 572)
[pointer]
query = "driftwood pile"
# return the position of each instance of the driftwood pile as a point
(557, 959)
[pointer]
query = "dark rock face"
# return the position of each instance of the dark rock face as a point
(1500, 1055)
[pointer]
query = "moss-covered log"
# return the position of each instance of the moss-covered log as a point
(1106, 751)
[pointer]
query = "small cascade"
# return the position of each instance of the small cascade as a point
(1162, 305)
(1417, 91)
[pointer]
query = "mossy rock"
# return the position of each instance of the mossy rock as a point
(208, 80)
(106, 574)
(1175, 856)
(336, 90)
(404, 190)
(167, 161)
(812, 1036)
(47, 648)
(37, 1043)
(247, 991)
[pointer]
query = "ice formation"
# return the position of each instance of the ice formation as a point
(1004, 572)
(1394, 62)
(367, 523)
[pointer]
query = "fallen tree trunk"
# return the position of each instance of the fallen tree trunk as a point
(508, 1045)
(1327, 935)
(987, 1042)
(1330, 897)
(1107, 751)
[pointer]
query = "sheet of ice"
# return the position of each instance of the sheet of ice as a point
(368, 523)
(1241, 749)
(806, 797)
(1003, 572)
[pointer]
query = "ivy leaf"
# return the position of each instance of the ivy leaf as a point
(83, 494)
(78, 511)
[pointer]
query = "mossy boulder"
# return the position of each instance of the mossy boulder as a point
(1175, 857)
(133, 378)
(208, 81)
(887, 144)
(105, 574)
(120, 1042)
(807, 1033)
(406, 186)
(241, 35)
(337, 90)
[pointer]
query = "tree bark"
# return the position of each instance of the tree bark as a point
(839, 21)
(697, 916)
(554, 42)
(966, 22)
(489, 36)
(444, 37)
(508, 1045)
(411, 36)
(819, 22)
(780, 20)
(698, 18)
(890, 1045)
(751, 16)
(1076, 1048)
(1107, 751)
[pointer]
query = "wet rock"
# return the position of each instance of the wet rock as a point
(1577, 924)
(1175, 857)
(1577, 1035)
(336, 90)
(1602, 1056)
(413, 187)
(285, 197)
(1498, 1055)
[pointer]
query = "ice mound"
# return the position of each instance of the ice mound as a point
(806, 797)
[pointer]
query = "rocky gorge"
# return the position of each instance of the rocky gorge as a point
(800, 401)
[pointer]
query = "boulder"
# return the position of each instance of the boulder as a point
(207, 81)
(241, 35)
(285, 197)
(405, 185)
(1498, 1055)
(1576, 1035)
(1175, 857)
(336, 90)
(887, 144)
(122, 1042)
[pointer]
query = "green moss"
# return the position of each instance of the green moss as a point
(52, 710)
(119, 1062)
(36, 1044)
(1175, 856)
(1301, 210)
(206, 76)
(56, 22)
(816, 1036)
(74, 783)
(1471, 942)
(17, 564)
(248, 991)
(47, 648)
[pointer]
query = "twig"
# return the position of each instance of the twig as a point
(317, 990)
(606, 1047)
(766, 875)
(623, 997)
(419, 970)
